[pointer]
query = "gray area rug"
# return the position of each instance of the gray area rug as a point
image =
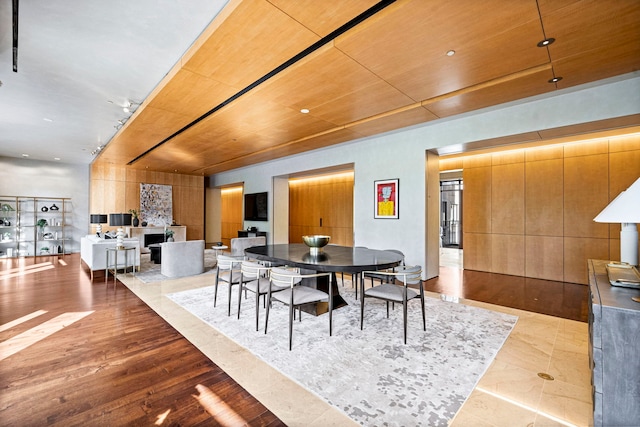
(370, 375)
(150, 272)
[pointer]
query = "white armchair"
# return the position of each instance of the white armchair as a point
(181, 259)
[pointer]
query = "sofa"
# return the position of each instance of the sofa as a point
(93, 252)
(239, 244)
(181, 259)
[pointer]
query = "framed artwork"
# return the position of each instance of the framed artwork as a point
(387, 201)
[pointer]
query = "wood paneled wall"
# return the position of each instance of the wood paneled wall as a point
(322, 205)
(529, 212)
(231, 201)
(117, 189)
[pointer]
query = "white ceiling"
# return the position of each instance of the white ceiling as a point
(79, 62)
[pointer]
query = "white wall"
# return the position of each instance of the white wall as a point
(32, 178)
(401, 154)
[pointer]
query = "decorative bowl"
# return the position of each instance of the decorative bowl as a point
(316, 243)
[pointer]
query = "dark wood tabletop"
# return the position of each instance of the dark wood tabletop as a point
(333, 258)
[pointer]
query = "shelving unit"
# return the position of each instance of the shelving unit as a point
(22, 236)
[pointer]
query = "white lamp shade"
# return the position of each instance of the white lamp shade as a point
(623, 209)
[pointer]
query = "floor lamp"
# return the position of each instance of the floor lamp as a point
(625, 209)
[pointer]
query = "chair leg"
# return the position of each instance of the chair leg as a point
(215, 291)
(291, 310)
(266, 315)
(240, 298)
(354, 282)
(257, 308)
(361, 302)
(404, 317)
(330, 309)
(424, 318)
(229, 308)
(387, 309)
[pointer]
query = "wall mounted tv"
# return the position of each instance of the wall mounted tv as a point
(255, 207)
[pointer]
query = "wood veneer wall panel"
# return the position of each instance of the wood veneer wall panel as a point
(231, 215)
(477, 199)
(577, 251)
(544, 198)
(507, 199)
(451, 164)
(507, 254)
(586, 193)
(329, 198)
(544, 257)
(477, 251)
(565, 187)
(117, 189)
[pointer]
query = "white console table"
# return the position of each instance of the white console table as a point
(179, 233)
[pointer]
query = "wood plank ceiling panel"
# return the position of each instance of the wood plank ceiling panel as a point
(191, 95)
(333, 87)
(146, 128)
(408, 47)
(388, 72)
(410, 116)
(493, 94)
(594, 39)
(297, 147)
(323, 17)
(255, 39)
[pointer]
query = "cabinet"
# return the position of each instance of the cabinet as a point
(614, 346)
(33, 226)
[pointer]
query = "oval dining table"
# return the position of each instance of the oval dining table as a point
(332, 258)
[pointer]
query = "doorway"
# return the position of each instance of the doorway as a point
(451, 242)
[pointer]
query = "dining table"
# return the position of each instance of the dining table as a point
(331, 258)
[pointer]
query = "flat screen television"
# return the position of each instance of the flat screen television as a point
(255, 207)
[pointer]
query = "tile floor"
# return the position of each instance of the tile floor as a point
(509, 394)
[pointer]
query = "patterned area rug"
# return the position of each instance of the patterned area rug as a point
(150, 271)
(370, 375)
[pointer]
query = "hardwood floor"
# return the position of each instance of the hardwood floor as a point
(74, 352)
(559, 299)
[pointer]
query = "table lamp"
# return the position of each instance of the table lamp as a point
(625, 209)
(98, 219)
(120, 219)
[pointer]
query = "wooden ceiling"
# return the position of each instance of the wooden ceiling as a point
(234, 99)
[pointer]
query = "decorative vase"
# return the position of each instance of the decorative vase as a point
(44, 209)
(169, 239)
(136, 222)
(144, 223)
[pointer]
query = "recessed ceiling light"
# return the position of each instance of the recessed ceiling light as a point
(555, 80)
(451, 52)
(25, 155)
(546, 42)
(305, 111)
(56, 158)
(46, 119)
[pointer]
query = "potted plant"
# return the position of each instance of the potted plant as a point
(134, 217)
(169, 235)
(44, 250)
(42, 223)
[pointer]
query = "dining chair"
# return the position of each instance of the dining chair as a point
(392, 292)
(295, 295)
(376, 275)
(228, 270)
(254, 277)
